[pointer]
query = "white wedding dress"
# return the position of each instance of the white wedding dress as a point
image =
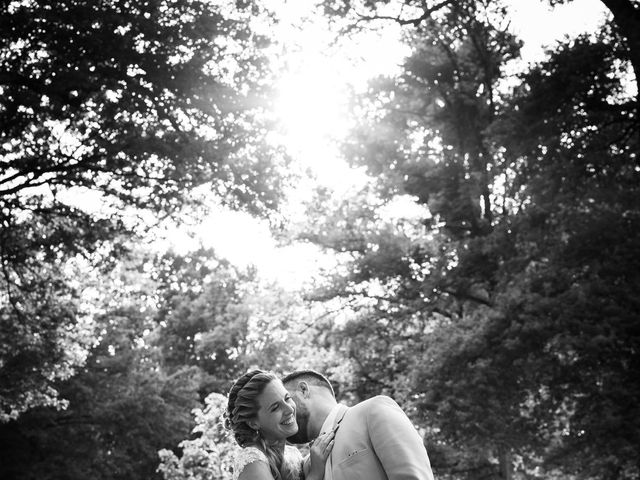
(292, 459)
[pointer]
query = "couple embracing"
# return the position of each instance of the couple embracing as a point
(373, 440)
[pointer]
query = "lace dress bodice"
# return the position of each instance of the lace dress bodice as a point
(292, 458)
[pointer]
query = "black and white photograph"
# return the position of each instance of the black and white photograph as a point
(319, 240)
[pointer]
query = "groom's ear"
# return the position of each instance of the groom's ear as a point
(303, 387)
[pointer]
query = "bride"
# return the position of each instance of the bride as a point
(262, 415)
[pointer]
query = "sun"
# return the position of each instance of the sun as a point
(311, 107)
(319, 71)
(311, 110)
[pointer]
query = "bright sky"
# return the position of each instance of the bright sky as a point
(311, 103)
(540, 26)
(312, 110)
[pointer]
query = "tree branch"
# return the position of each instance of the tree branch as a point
(428, 11)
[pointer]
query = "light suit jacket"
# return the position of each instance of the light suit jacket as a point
(376, 441)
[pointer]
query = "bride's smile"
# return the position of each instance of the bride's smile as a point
(289, 420)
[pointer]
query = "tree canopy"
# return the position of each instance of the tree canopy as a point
(507, 322)
(107, 110)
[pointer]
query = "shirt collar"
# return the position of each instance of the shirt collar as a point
(331, 418)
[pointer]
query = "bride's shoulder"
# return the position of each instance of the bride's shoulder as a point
(246, 456)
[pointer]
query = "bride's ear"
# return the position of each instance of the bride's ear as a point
(253, 425)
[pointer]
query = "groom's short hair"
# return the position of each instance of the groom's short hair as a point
(311, 377)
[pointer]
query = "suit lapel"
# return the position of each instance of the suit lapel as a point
(328, 468)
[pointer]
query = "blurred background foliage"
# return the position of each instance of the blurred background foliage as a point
(505, 320)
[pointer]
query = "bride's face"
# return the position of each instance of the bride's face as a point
(276, 417)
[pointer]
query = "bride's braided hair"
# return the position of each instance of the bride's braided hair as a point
(242, 408)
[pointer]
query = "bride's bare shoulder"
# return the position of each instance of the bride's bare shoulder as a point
(255, 471)
(251, 463)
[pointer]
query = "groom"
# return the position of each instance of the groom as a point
(375, 441)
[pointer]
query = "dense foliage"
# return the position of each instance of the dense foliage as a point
(186, 328)
(505, 317)
(110, 113)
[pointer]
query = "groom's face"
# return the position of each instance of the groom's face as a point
(302, 418)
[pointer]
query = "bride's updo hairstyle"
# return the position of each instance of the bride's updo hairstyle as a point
(243, 405)
(242, 408)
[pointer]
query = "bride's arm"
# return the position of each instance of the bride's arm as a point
(256, 471)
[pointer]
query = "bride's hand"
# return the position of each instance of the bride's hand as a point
(319, 453)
